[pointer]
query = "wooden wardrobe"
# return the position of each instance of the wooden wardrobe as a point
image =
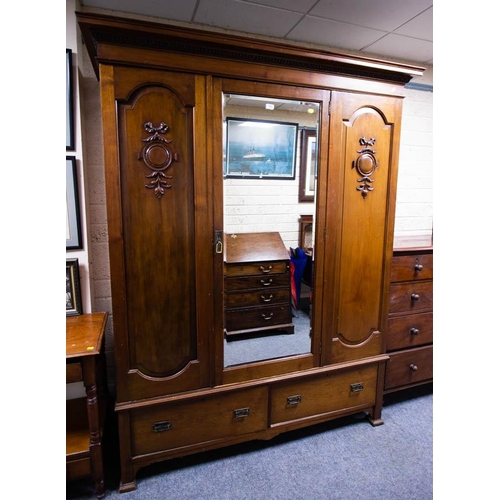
(162, 94)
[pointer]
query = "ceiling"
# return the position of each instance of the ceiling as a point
(399, 30)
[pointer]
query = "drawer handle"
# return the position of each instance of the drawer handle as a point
(268, 299)
(162, 426)
(357, 387)
(415, 296)
(414, 331)
(266, 283)
(418, 267)
(264, 270)
(294, 400)
(267, 317)
(413, 367)
(241, 413)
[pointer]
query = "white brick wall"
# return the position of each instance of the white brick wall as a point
(414, 200)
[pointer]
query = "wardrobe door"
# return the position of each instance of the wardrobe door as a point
(362, 188)
(159, 229)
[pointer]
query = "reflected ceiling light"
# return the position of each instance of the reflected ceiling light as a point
(269, 106)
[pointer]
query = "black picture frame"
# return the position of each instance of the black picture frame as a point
(308, 168)
(73, 224)
(73, 291)
(70, 129)
(260, 149)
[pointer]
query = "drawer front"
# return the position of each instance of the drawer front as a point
(77, 469)
(73, 372)
(410, 297)
(330, 392)
(411, 267)
(256, 282)
(268, 296)
(174, 425)
(258, 317)
(265, 268)
(409, 367)
(409, 331)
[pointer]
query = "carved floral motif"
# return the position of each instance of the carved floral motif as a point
(365, 165)
(158, 156)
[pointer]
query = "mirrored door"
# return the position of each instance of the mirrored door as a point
(270, 159)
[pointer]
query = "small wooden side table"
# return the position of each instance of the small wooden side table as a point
(85, 361)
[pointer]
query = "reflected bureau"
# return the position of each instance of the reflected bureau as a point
(257, 295)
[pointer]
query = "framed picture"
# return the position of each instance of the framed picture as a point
(70, 133)
(73, 227)
(258, 149)
(307, 174)
(73, 292)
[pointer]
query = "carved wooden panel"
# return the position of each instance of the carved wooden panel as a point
(366, 159)
(156, 207)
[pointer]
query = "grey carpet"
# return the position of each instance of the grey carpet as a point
(345, 459)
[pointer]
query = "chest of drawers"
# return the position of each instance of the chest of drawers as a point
(257, 294)
(409, 327)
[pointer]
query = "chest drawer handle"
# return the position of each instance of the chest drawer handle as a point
(415, 296)
(264, 270)
(414, 331)
(267, 317)
(241, 413)
(294, 400)
(268, 299)
(266, 283)
(418, 267)
(413, 367)
(357, 387)
(161, 426)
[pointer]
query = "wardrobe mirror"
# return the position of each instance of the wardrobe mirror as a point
(269, 166)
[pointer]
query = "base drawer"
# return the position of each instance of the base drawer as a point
(409, 367)
(174, 425)
(409, 331)
(318, 395)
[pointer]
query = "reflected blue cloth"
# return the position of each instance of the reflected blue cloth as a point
(299, 261)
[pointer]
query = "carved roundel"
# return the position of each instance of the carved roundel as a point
(366, 163)
(157, 156)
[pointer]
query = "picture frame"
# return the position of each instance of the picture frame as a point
(260, 149)
(70, 131)
(308, 165)
(73, 224)
(73, 291)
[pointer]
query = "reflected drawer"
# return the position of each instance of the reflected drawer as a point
(266, 268)
(328, 393)
(411, 267)
(409, 331)
(257, 282)
(174, 425)
(257, 317)
(269, 296)
(409, 367)
(410, 297)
